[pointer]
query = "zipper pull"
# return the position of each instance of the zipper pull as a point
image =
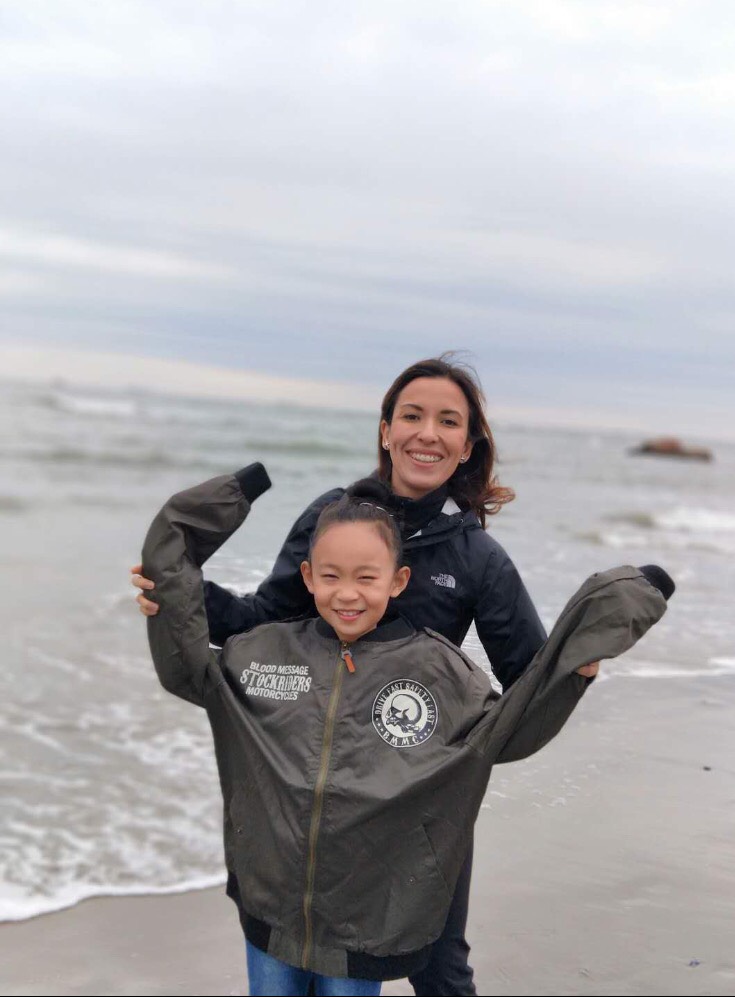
(347, 657)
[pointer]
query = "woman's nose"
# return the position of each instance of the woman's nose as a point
(427, 430)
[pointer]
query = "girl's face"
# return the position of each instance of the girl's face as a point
(352, 575)
(427, 435)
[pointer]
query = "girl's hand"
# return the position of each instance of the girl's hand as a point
(589, 671)
(146, 607)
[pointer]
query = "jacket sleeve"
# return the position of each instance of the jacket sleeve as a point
(507, 623)
(280, 596)
(190, 527)
(605, 618)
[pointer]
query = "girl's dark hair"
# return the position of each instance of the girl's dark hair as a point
(473, 484)
(367, 501)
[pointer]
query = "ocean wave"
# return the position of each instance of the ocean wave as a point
(97, 501)
(302, 447)
(723, 664)
(682, 519)
(142, 458)
(679, 528)
(17, 906)
(203, 453)
(625, 539)
(633, 668)
(12, 503)
(285, 428)
(91, 405)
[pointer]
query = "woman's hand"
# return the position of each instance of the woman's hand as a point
(589, 671)
(146, 607)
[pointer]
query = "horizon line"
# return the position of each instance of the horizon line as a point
(188, 379)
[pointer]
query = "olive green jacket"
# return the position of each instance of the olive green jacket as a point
(350, 796)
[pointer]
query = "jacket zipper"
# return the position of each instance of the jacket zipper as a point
(346, 656)
(321, 781)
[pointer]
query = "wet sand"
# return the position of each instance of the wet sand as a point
(603, 865)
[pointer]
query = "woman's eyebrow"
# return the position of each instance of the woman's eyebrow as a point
(444, 411)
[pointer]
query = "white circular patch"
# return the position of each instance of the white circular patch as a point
(404, 713)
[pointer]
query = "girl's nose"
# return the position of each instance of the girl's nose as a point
(347, 594)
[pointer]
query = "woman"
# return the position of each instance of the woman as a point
(436, 452)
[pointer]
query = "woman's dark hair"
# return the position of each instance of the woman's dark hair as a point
(367, 501)
(473, 484)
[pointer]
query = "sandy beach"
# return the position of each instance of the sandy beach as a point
(604, 865)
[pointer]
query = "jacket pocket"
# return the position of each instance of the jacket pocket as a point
(258, 863)
(413, 901)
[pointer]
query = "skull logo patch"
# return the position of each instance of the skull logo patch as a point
(404, 713)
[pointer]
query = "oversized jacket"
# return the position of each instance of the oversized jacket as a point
(349, 796)
(459, 573)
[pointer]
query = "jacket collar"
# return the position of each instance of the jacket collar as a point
(444, 525)
(416, 514)
(432, 515)
(392, 627)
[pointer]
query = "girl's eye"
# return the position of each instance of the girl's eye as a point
(367, 578)
(329, 577)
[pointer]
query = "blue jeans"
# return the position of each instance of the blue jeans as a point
(270, 977)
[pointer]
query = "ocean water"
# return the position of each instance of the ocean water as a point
(109, 783)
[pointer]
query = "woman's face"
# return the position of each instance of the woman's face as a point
(427, 435)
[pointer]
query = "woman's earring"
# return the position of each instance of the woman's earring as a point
(386, 446)
(463, 460)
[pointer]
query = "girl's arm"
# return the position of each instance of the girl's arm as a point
(281, 595)
(606, 617)
(190, 527)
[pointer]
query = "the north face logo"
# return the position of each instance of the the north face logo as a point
(446, 581)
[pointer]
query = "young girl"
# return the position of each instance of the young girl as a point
(354, 751)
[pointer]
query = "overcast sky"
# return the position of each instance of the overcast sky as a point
(334, 189)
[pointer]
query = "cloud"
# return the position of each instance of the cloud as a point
(324, 186)
(86, 254)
